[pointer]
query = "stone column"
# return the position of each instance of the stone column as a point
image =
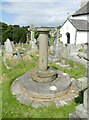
(43, 48)
(32, 36)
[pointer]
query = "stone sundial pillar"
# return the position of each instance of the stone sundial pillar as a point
(43, 48)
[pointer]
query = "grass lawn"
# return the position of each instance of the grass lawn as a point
(11, 108)
(76, 71)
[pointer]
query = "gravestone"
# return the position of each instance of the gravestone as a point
(33, 45)
(56, 42)
(73, 49)
(8, 52)
(8, 47)
(19, 45)
(85, 48)
(61, 48)
(82, 110)
(12, 44)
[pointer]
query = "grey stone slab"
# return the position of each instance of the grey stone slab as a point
(27, 89)
(82, 83)
(36, 104)
(81, 111)
(73, 116)
(60, 102)
(24, 100)
(46, 103)
(85, 99)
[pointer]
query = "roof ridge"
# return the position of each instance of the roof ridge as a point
(83, 10)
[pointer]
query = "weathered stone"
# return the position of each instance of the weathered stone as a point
(28, 90)
(43, 48)
(8, 46)
(73, 116)
(43, 76)
(36, 104)
(82, 83)
(81, 111)
(85, 99)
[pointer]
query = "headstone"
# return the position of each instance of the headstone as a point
(12, 44)
(65, 51)
(56, 42)
(82, 110)
(8, 46)
(33, 45)
(72, 48)
(51, 49)
(85, 48)
(19, 45)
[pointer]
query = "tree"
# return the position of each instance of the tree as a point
(5, 32)
(23, 34)
(36, 34)
(19, 34)
(16, 34)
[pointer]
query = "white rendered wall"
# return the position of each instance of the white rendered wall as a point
(82, 37)
(67, 27)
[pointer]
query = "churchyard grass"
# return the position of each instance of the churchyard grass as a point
(76, 69)
(51, 41)
(11, 108)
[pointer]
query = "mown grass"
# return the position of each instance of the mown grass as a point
(11, 108)
(51, 41)
(76, 69)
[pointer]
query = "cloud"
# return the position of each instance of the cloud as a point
(40, 0)
(36, 12)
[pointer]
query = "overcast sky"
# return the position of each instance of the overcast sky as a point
(37, 12)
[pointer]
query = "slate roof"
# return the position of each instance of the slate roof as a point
(82, 11)
(80, 25)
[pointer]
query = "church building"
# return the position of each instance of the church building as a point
(75, 30)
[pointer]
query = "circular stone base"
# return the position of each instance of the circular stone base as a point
(43, 76)
(35, 93)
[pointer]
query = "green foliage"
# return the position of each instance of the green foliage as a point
(7, 33)
(15, 33)
(11, 108)
(36, 34)
(3, 34)
(19, 35)
(80, 50)
(51, 41)
(58, 27)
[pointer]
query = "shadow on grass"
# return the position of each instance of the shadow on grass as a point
(79, 99)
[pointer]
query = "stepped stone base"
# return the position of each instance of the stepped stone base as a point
(43, 76)
(30, 92)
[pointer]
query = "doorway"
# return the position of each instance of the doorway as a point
(68, 38)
